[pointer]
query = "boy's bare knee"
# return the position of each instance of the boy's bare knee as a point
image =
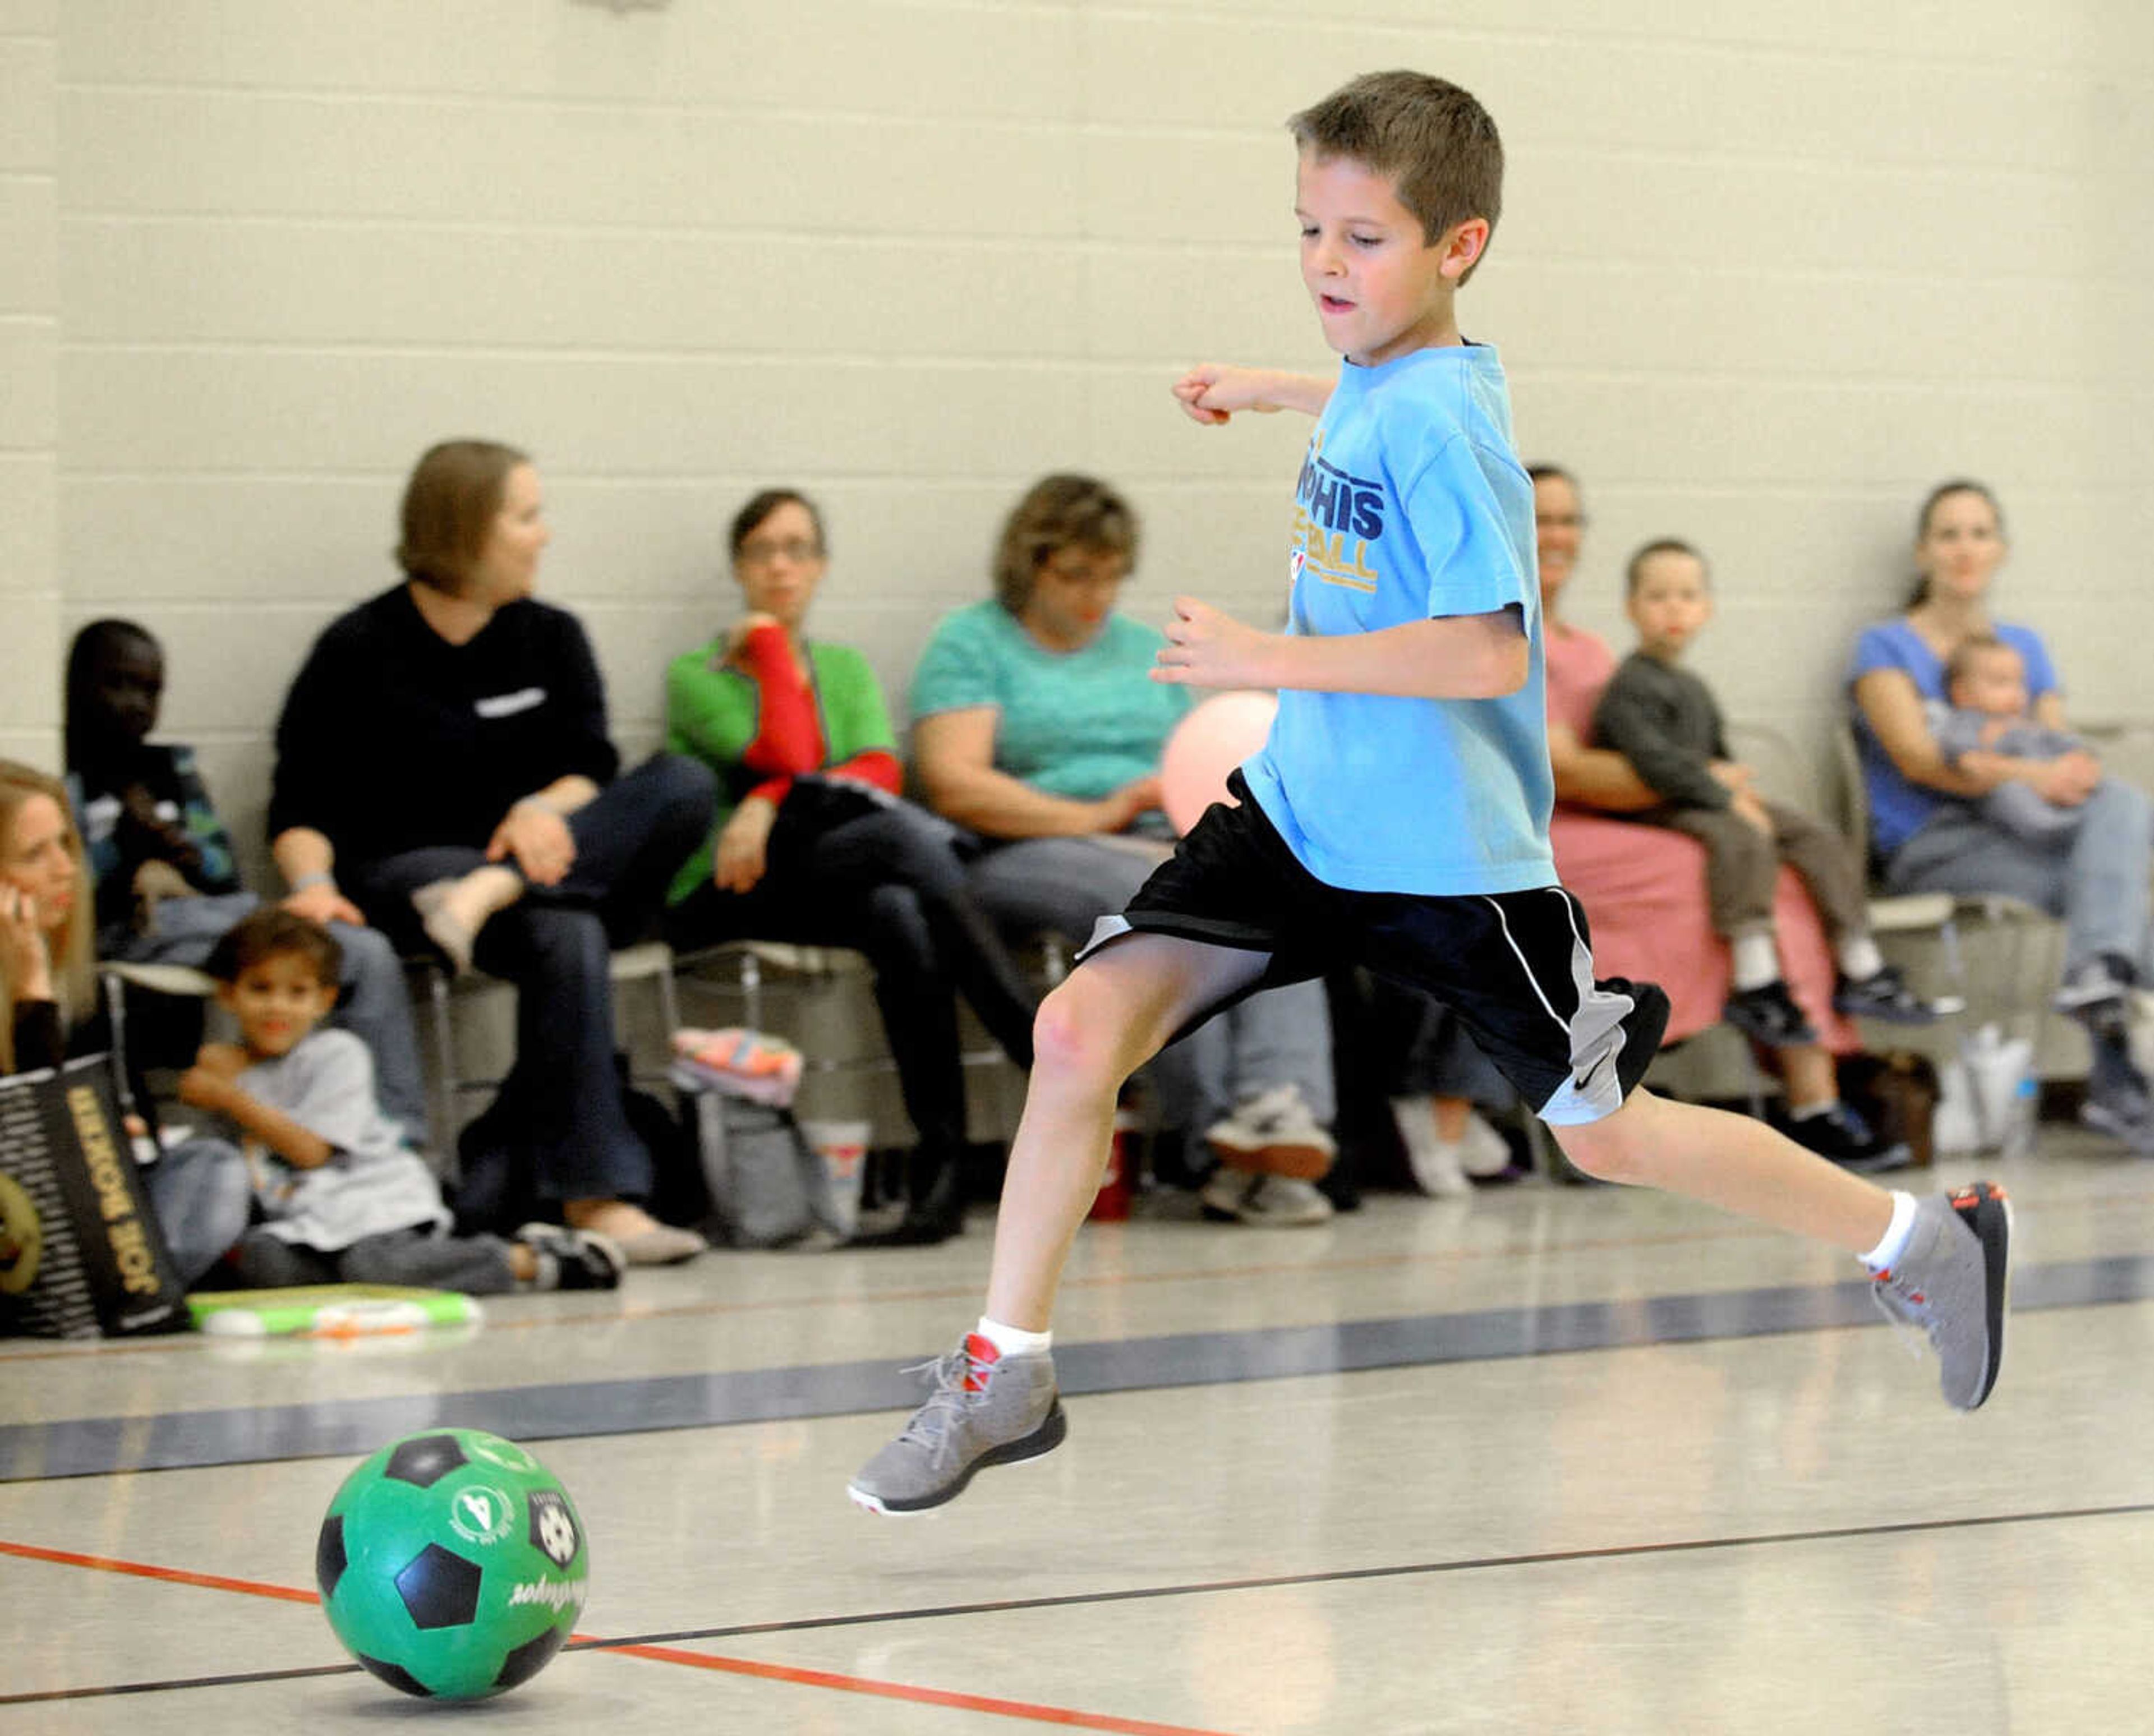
(1074, 1035)
(1616, 1148)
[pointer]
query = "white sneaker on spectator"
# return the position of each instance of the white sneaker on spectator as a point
(1279, 1202)
(1482, 1149)
(1274, 1132)
(1437, 1164)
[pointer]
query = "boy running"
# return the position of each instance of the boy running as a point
(1397, 817)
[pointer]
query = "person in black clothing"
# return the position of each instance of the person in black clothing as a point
(166, 883)
(816, 845)
(443, 767)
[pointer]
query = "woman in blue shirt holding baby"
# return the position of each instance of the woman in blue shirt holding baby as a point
(1930, 830)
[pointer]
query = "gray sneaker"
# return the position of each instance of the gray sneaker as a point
(1952, 1282)
(2121, 1112)
(986, 1409)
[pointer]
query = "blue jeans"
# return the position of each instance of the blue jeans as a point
(2095, 879)
(559, 1123)
(201, 1196)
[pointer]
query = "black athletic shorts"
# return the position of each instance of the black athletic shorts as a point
(1517, 968)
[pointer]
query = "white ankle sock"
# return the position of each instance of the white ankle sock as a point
(1894, 1243)
(1809, 1110)
(1013, 1340)
(1859, 960)
(1757, 958)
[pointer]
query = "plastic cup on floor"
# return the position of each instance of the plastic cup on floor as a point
(843, 1146)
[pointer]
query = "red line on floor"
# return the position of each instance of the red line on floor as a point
(1064, 1717)
(1059, 1715)
(169, 1575)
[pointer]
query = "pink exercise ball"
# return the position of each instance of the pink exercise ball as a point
(1210, 742)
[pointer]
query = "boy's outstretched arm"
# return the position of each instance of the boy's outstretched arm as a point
(1453, 657)
(1210, 392)
(213, 1083)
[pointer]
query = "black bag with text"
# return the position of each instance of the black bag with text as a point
(80, 1253)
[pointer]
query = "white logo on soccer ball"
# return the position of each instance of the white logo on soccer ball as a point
(557, 1533)
(481, 1514)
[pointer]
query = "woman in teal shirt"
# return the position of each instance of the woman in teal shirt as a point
(813, 843)
(1037, 724)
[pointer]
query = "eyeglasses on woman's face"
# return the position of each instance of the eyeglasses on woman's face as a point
(762, 552)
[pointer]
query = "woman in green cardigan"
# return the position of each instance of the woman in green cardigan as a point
(814, 843)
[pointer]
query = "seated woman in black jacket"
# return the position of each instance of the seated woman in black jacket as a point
(444, 772)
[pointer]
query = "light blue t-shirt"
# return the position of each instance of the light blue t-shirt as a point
(1411, 506)
(1077, 724)
(1898, 809)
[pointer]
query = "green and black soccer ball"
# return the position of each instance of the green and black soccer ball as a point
(453, 1564)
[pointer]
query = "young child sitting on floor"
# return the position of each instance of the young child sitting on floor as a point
(1986, 682)
(340, 1196)
(1663, 719)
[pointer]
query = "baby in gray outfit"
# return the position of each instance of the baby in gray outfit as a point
(1986, 683)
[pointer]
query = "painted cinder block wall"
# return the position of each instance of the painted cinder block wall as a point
(1763, 274)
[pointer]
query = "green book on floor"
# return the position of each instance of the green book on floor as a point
(329, 1311)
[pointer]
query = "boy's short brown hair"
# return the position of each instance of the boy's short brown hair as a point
(1433, 139)
(1635, 570)
(265, 932)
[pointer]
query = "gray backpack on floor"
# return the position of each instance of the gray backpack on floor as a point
(765, 1181)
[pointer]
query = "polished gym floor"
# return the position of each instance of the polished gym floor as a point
(1554, 1459)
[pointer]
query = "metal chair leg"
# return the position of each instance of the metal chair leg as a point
(669, 1005)
(445, 1081)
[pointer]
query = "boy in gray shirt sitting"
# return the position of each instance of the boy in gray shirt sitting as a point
(1663, 719)
(340, 1194)
(1986, 682)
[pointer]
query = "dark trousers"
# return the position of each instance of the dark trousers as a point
(1742, 867)
(886, 883)
(477, 1265)
(559, 1119)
